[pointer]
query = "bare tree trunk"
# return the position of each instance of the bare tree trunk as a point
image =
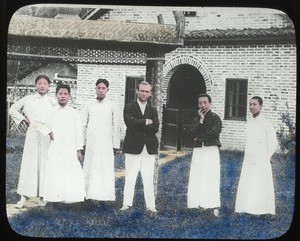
(154, 75)
(180, 24)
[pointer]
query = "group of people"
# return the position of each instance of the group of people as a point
(68, 157)
(255, 191)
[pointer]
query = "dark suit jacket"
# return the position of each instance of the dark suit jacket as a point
(138, 133)
(207, 134)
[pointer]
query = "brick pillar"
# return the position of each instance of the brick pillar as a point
(154, 75)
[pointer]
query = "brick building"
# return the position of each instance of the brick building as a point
(229, 53)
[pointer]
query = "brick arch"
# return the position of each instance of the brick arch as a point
(172, 65)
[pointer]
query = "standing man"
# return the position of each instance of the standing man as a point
(204, 180)
(140, 146)
(255, 193)
(29, 109)
(64, 179)
(101, 129)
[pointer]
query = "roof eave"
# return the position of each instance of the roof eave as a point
(104, 30)
(287, 39)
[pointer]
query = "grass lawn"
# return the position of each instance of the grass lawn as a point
(93, 219)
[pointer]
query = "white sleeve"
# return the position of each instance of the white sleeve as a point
(78, 131)
(45, 130)
(271, 140)
(43, 122)
(116, 125)
(85, 121)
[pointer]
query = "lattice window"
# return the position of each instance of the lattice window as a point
(71, 52)
(190, 14)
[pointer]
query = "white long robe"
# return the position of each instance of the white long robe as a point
(64, 178)
(204, 181)
(36, 146)
(255, 192)
(101, 128)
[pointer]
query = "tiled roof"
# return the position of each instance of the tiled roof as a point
(245, 33)
(105, 30)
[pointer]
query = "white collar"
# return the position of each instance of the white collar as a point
(140, 103)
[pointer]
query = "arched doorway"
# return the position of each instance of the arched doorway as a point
(185, 85)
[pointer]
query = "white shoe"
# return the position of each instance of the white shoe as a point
(125, 207)
(42, 203)
(20, 204)
(216, 212)
(152, 210)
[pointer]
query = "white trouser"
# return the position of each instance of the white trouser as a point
(134, 163)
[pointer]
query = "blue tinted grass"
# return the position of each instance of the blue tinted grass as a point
(95, 219)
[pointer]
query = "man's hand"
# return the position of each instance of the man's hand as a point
(27, 122)
(51, 136)
(201, 115)
(79, 155)
(149, 121)
(117, 151)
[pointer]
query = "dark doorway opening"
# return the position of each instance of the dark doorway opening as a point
(184, 87)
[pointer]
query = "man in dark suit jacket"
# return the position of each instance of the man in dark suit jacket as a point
(140, 146)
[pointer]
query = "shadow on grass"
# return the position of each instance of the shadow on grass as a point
(94, 219)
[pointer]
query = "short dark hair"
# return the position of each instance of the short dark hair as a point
(104, 81)
(63, 86)
(205, 95)
(42, 76)
(259, 99)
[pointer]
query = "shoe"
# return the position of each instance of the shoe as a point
(216, 212)
(20, 204)
(153, 210)
(42, 203)
(125, 207)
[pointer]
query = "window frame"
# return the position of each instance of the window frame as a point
(235, 94)
(131, 97)
(190, 14)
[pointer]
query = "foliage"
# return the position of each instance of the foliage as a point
(286, 135)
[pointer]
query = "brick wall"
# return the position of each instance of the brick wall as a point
(271, 73)
(269, 69)
(141, 14)
(206, 17)
(115, 74)
(237, 18)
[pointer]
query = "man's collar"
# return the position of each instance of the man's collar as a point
(206, 112)
(100, 101)
(39, 95)
(140, 103)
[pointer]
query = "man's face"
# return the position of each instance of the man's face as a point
(144, 92)
(42, 86)
(63, 96)
(101, 91)
(254, 107)
(204, 104)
